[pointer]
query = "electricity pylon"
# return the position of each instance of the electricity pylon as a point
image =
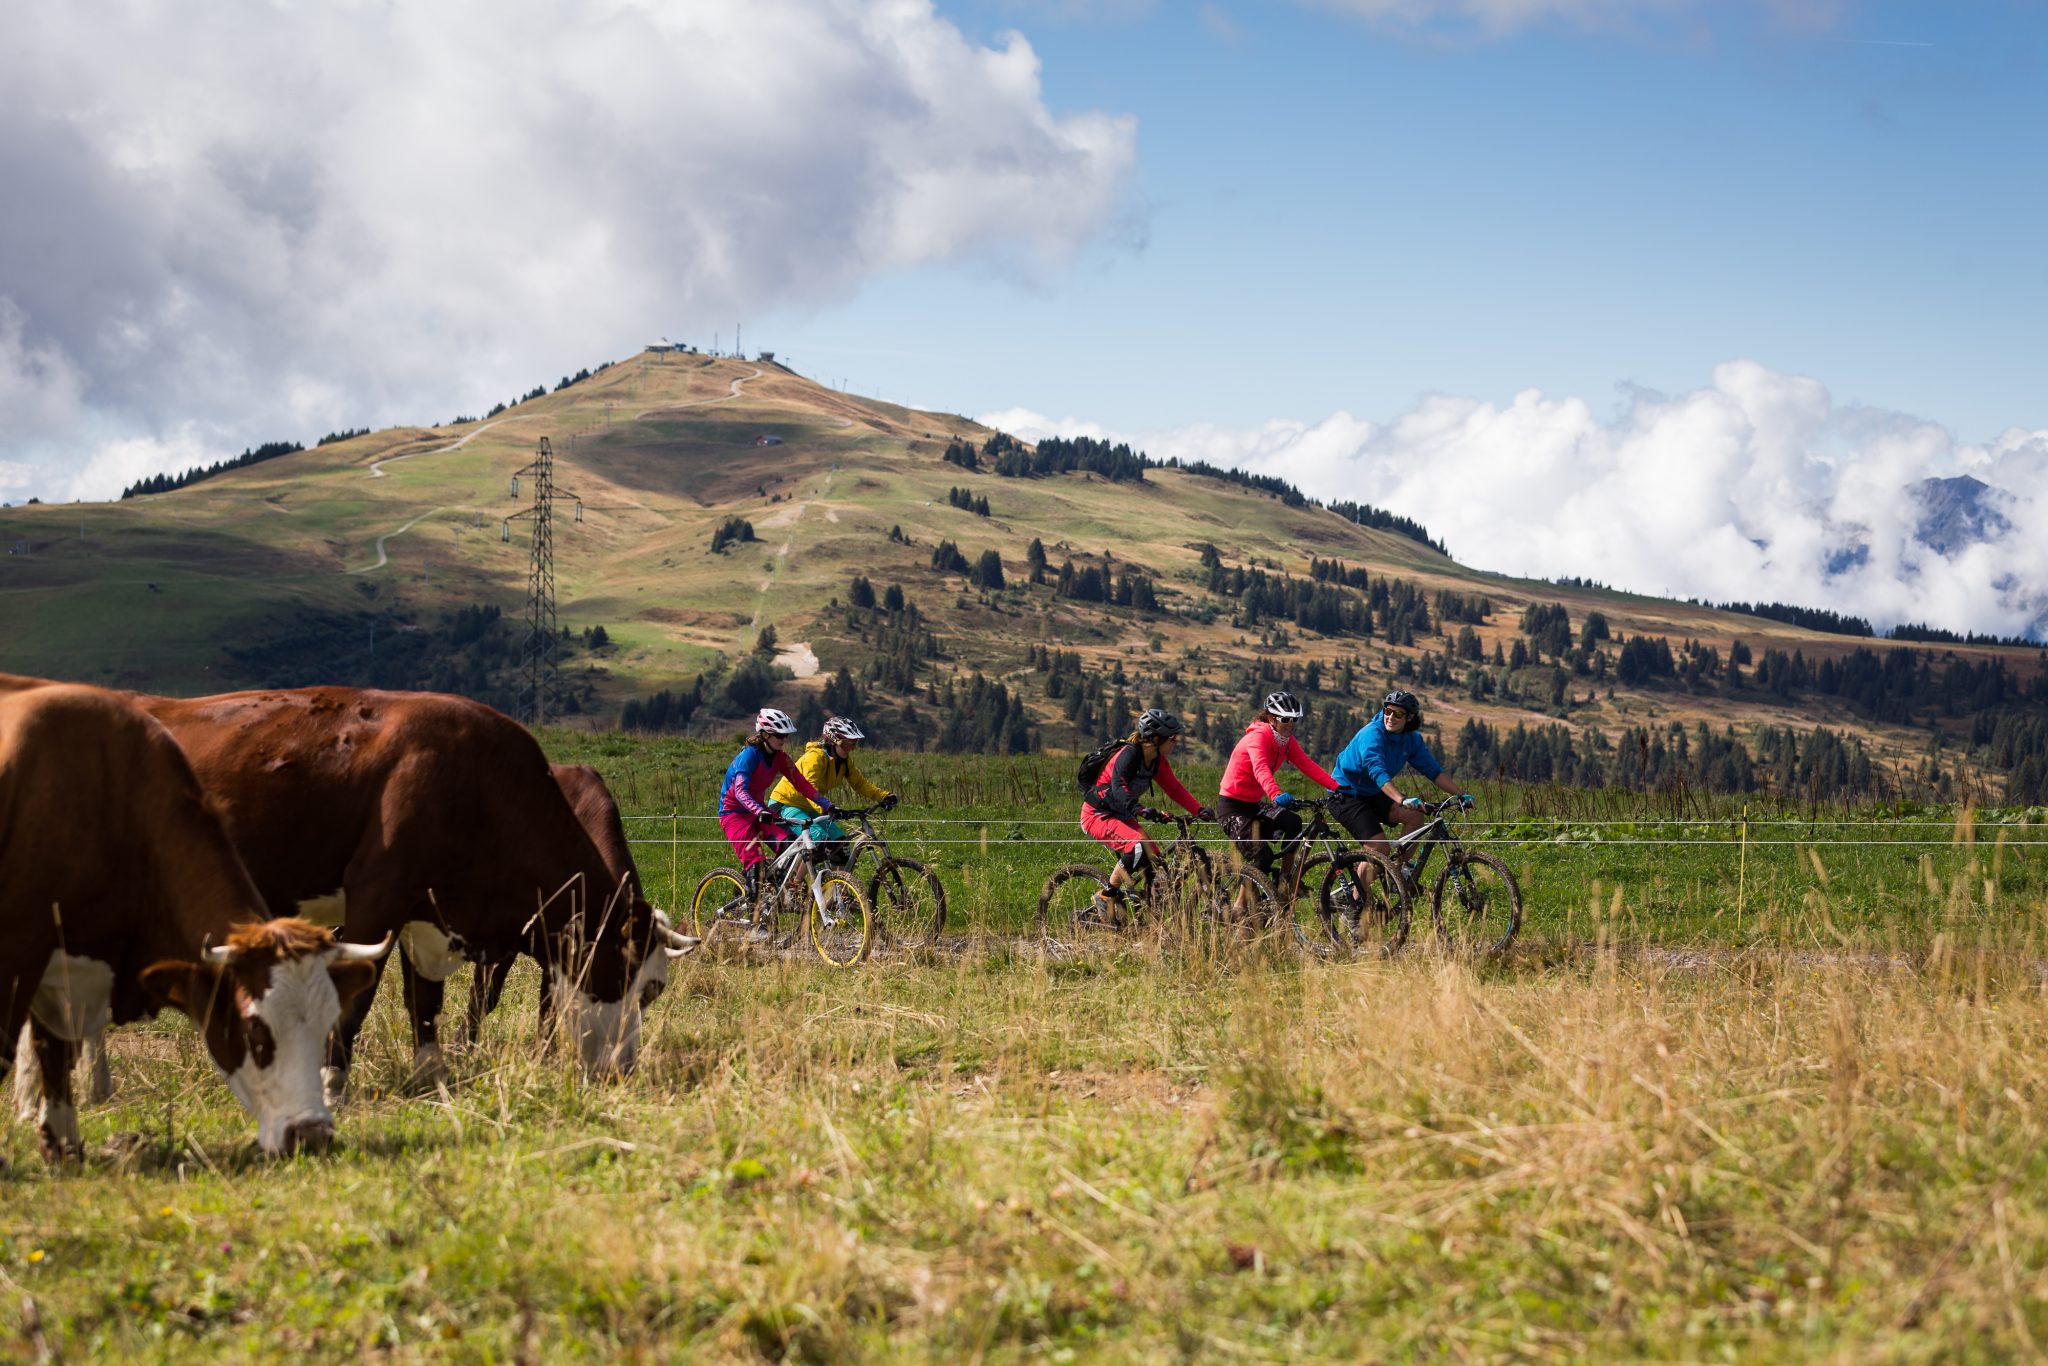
(539, 656)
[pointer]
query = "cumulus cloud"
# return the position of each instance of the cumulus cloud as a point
(1756, 486)
(268, 220)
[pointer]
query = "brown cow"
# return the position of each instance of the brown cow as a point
(435, 818)
(596, 808)
(120, 894)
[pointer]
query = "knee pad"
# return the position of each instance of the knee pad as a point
(1133, 859)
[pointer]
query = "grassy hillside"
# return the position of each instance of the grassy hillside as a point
(347, 561)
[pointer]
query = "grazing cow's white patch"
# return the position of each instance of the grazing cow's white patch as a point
(283, 1090)
(435, 956)
(76, 998)
(330, 910)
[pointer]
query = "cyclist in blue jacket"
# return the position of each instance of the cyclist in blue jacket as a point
(1367, 800)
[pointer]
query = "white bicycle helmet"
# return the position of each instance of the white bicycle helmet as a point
(843, 728)
(769, 721)
(1284, 706)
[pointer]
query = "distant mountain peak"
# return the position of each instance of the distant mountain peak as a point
(1959, 512)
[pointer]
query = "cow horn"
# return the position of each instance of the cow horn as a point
(222, 954)
(677, 943)
(353, 953)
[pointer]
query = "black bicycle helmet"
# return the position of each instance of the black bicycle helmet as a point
(1156, 723)
(1408, 702)
(1284, 706)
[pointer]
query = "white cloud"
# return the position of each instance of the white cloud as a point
(1754, 487)
(266, 221)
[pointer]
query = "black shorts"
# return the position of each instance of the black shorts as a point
(1365, 814)
(1248, 830)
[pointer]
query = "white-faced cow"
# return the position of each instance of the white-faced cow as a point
(120, 893)
(598, 811)
(435, 818)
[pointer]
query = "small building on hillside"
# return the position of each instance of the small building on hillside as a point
(767, 439)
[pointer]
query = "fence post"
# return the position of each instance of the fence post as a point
(674, 834)
(1742, 865)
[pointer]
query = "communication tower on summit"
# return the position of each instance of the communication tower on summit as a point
(540, 691)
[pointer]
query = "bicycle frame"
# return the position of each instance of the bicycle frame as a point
(802, 850)
(1428, 836)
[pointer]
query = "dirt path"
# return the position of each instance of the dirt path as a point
(382, 558)
(377, 466)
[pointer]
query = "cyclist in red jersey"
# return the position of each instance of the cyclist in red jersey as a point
(1251, 805)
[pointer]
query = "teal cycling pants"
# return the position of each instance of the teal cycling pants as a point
(822, 827)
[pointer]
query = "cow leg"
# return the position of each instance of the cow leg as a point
(57, 1120)
(341, 1044)
(99, 1087)
(423, 999)
(28, 1099)
(28, 1090)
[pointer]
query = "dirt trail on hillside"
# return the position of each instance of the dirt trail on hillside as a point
(377, 466)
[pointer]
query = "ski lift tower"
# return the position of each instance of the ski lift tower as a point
(540, 664)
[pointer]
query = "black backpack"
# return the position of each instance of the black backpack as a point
(1097, 759)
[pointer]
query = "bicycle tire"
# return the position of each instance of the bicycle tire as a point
(1182, 893)
(1365, 906)
(1261, 919)
(1065, 895)
(1305, 907)
(907, 893)
(718, 891)
(845, 934)
(1487, 892)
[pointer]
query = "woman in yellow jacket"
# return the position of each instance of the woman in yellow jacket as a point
(827, 763)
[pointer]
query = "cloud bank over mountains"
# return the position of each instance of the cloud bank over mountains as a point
(1755, 486)
(229, 224)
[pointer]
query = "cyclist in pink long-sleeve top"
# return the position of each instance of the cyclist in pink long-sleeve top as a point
(1252, 806)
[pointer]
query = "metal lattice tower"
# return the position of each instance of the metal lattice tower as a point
(540, 692)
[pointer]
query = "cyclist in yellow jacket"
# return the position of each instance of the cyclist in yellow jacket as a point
(827, 763)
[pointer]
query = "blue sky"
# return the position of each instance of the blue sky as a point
(1333, 214)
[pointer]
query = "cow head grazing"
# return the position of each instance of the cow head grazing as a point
(266, 1001)
(607, 1033)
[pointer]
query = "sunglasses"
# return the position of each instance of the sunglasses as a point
(1397, 713)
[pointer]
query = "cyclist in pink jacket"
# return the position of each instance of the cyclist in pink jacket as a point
(1252, 805)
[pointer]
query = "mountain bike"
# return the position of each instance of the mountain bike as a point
(1363, 907)
(1181, 890)
(1476, 902)
(904, 892)
(829, 907)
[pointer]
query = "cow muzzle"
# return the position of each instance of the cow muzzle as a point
(311, 1136)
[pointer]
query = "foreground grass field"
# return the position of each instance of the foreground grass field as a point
(1801, 1132)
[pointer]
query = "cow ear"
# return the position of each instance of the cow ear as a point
(189, 987)
(352, 979)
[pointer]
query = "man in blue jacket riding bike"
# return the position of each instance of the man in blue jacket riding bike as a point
(1367, 800)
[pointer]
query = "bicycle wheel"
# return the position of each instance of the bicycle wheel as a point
(1302, 914)
(843, 931)
(1245, 904)
(1365, 907)
(720, 905)
(1477, 904)
(1071, 912)
(909, 899)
